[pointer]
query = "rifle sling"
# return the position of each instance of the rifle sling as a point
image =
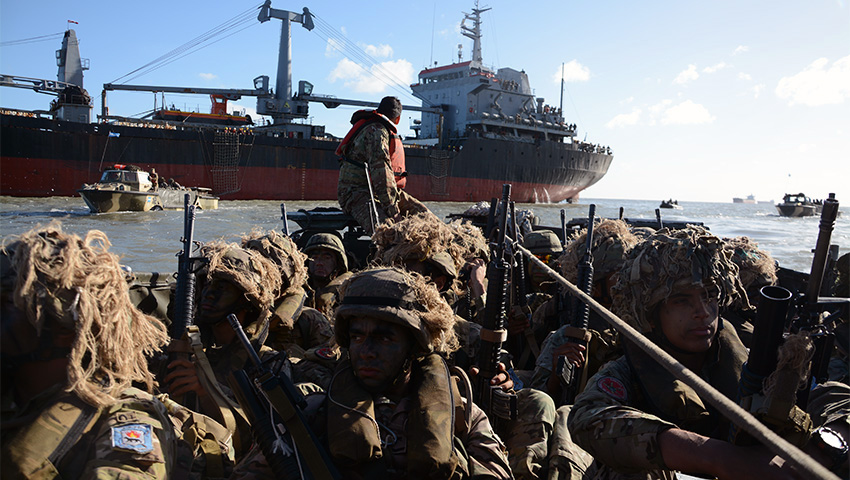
(223, 404)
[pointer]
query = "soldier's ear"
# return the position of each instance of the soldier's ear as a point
(397, 119)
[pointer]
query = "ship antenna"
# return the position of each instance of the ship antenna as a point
(475, 32)
(562, 90)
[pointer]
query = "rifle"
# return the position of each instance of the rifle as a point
(273, 407)
(563, 228)
(576, 332)
(495, 402)
(525, 345)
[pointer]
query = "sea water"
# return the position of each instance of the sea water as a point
(149, 241)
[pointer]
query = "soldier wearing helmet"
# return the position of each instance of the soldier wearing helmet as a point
(72, 347)
(756, 269)
(671, 288)
(242, 282)
(392, 409)
(327, 265)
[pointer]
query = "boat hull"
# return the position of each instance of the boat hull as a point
(108, 201)
(45, 157)
(797, 210)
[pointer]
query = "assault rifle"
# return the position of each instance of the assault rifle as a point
(273, 407)
(575, 331)
(184, 294)
(525, 345)
(495, 402)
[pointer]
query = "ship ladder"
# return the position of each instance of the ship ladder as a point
(438, 162)
(225, 162)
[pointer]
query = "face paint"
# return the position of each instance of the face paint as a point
(379, 352)
(218, 299)
(689, 318)
(322, 263)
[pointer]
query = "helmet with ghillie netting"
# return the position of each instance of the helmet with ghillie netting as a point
(397, 296)
(255, 275)
(612, 242)
(78, 284)
(469, 241)
(668, 261)
(756, 267)
(421, 237)
(284, 253)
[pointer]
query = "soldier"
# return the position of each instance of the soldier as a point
(241, 282)
(72, 346)
(756, 269)
(372, 171)
(634, 417)
(390, 408)
(327, 265)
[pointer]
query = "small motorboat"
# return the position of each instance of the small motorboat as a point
(127, 188)
(798, 205)
(674, 204)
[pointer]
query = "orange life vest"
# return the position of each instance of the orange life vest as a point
(360, 119)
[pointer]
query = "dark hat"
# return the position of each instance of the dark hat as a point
(390, 107)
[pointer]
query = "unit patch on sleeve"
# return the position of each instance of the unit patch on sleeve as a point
(136, 437)
(613, 387)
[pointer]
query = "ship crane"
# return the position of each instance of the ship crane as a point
(40, 85)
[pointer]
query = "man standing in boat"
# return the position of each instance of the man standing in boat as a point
(372, 172)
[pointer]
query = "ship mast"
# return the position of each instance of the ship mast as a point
(475, 32)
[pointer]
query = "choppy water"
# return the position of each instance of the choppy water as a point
(149, 241)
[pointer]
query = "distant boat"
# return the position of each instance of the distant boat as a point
(749, 199)
(674, 204)
(127, 188)
(798, 205)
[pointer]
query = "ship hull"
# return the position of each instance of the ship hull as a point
(43, 157)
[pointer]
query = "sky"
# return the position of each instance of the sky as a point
(699, 101)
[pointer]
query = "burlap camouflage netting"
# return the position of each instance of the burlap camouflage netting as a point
(756, 267)
(285, 254)
(672, 259)
(79, 283)
(612, 241)
(422, 308)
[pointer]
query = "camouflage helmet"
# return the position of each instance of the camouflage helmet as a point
(421, 237)
(400, 297)
(612, 241)
(258, 277)
(670, 260)
(756, 267)
(284, 253)
(330, 242)
(543, 242)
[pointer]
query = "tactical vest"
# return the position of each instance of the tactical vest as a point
(397, 162)
(436, 426)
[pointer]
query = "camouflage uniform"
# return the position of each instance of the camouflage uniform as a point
(371, 147)
(417, 434)
(325, 298)
(131, 438)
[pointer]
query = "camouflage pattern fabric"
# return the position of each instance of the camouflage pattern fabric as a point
(567, 461)
(370, 147)
(527, 437)
(612, 240)
(326, 299)
(603, 347)
(131, 438)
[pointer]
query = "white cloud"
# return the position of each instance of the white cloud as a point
(741, 49)
(333, 47)
(625, 119)
(757, 89)
(380, 51)
(687, 75)
(573, 72)
(714, 68)
(818, 84)
(686, 113)
(208, 76)
(745, 76)
(627, 101)
(360, 80)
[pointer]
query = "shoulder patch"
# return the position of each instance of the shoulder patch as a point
(326, 353)
(135, 437)
(613, 387)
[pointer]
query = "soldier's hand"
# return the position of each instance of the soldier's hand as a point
(502, 379)
(477, 274)
(182, 378)
(573, 351)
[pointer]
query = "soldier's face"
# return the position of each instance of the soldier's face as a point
(218, 299)
(379, 352)
(689, 318)
(322, 263)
